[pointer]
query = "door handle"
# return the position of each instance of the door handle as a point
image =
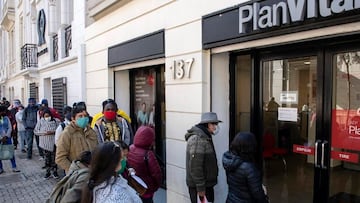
(323, 155)
(317, 165)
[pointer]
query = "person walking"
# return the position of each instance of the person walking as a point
(143, 159)
(45, 129)
(21, 127)
(5, 136)
(201, 162)
(76, 138)
(105, 185)
(242, 175)
(30, 119)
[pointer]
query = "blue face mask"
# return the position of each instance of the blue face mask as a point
(82, 122)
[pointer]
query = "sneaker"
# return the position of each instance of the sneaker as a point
(41, 158)
(15, 170)
(23, 150)
(47, 176)
(1, 170)
(55, 175)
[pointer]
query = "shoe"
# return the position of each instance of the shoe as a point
(23, 150)
(15, 170)
(28, 158)
(55, 175)
(41, 158)
(44, 167)
(15, 147)
(1, 170)
(47, 176)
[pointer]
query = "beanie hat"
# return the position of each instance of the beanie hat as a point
(31, 99)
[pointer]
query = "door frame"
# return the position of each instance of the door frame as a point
(323, 49)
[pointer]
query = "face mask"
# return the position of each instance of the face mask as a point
(110, 115)
(123, 166)
(217, 130)
(82, 122)
(47, 118)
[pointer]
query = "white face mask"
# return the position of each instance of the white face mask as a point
(217, 130)
(47, 118)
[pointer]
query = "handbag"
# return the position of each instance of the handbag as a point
(6, 151)
(137, 184)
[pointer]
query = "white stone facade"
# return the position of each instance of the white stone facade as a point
(23, 29)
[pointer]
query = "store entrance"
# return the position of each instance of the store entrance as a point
(303, 105)
(289, 121)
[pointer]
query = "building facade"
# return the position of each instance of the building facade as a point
(43, 51)
(285, 70)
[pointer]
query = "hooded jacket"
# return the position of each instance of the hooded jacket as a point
(244, 180)
(201, 162)
(144, 161)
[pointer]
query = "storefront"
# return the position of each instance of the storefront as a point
(293, 68)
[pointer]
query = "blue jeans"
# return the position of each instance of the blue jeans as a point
(13, 163)
(22, 136)
(29, 142)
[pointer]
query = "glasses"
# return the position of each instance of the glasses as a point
(79, 105)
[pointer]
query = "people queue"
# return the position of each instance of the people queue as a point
(100, 154)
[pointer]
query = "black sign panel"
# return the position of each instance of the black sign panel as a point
(146, 47)
(260, 19)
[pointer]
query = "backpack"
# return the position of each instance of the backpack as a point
(65, 184)
(62, 125)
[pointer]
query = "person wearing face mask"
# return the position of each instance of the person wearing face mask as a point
(21, 127)
(201, 162)
(105, 185)
(45, 129)
(112, 127)
(77, 137)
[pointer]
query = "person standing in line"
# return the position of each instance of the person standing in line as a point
(201, 162)
(13, 109)
(54, 112)
(105, 185)
(143, 159)
(242, 175)
(67, 120)
(77, 137)
(20, 127)
(5, 136)
(30, 119)
(45, 129)
(112, 127)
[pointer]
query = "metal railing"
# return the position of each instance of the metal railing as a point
(68, 39)
(29, 56)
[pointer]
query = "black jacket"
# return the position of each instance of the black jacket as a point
(244, 180)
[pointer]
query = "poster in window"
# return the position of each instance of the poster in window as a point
(345, 129)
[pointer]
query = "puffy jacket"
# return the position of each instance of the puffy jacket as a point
(201, 162)
(244, 180)
(74, 140)
(149, 171)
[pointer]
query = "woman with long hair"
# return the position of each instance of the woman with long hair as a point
(243, 177)
(105, 185)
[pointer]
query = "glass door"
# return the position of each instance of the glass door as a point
(289, 92)
(345, 128)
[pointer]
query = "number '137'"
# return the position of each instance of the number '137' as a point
(181, 68)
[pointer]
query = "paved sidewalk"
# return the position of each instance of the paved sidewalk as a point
(28, 185)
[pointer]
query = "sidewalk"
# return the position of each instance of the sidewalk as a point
(28, 185)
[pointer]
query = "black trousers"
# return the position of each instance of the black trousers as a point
(209, 193)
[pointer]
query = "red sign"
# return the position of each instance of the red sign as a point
(345, 156)
(303, 149)
(345, 131)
